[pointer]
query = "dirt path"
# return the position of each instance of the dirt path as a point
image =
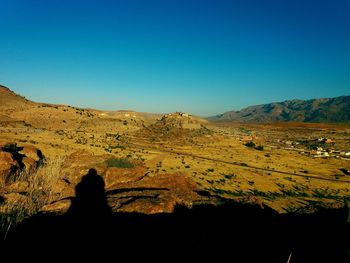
(159, 158)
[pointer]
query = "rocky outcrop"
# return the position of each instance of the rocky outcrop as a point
(8, 167)
(180, 120)
(16, 161)
(152, 195)
(176, 126)
(130, 189)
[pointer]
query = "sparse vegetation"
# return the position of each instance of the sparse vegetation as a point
(39, 192)
(119, 163)
(11, 147)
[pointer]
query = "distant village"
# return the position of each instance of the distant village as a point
(317, 148)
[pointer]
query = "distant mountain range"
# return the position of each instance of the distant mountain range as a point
(336, 109)
(315, 110)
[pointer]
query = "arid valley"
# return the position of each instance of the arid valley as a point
(186, 131)
(151, 163)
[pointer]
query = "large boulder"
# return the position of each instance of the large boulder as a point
(18, 160)
(8, 167)
(31, 152)
(156, 194)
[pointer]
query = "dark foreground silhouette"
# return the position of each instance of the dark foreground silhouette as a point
(236, 232)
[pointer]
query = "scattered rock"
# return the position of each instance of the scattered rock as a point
(251, 200)
(158, 194)
(314, 207)
(32, 152)
(58, 207)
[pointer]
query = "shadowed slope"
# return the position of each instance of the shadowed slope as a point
(240, 232)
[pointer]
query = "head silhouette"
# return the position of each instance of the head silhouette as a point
(90, 196)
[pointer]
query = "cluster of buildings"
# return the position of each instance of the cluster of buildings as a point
(320, 152)
(177, 114)
(317, 151)
(326, 140)
(318, 148)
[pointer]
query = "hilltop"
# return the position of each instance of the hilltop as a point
(174, 126)
(315, 110)
(181, 120)
(10, 101)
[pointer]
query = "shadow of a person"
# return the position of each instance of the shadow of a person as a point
(89, 212)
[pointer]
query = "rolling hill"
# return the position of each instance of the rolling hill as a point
(315, 110)
(10, 101)
(17, 111)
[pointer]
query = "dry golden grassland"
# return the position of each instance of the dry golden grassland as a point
(219, 162)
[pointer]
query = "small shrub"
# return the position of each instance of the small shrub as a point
(10, 147)
(250, 182)
(117, 147)
(250, 144)
(280, 185)
(221, 181)
(259, 148)
(230, 176)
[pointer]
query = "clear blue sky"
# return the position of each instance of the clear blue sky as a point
(203, 57)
